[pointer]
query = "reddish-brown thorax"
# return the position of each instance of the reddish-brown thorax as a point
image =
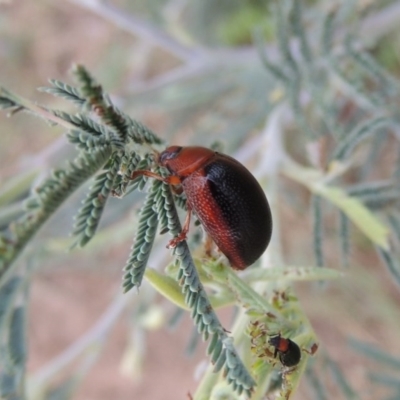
(183, 161)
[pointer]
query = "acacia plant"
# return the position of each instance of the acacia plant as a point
(320, 107)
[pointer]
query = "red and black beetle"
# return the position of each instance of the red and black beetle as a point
(289, 352)
(226, 198)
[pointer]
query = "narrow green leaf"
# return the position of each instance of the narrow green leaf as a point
(293, 273)
(166, 286)
(385, 380)
(317, 385)
(16, 186)
(391, 262)
(318, 234)
(246, 296)
(8, 385)
(88, 217)
(359, 133)
(8, 292)
(64, 91)
(341, 381)
(17, 338)
(359, 214)
(344, 238)
(145, 236)
(370, 225)
(375, 354)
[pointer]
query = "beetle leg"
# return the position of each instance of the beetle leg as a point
(182, 236)
(312, 350)
(171, 179)
(275, 352)
(144, 172)
(208, 244)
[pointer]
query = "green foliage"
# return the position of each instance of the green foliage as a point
(8, 292)
(17, 341)
(89, 215)
(318, 231)
(386, 55)
(45, 200)
(325, 104)
(146, 233)
(221, 349)
(99, 151)
(344, 237)
(13, 343)
(64, 91)
(361, 132)
(237, 28)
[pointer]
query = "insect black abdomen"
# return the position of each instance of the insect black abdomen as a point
(243, 206)
(289, 352)
(292, 356)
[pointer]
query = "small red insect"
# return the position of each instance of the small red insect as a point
(225, 196)
(289, 352)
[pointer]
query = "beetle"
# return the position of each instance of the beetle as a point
(289, 352)
(226, 198)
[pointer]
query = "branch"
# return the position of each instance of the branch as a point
(141, 28)
(381, 23)
(96, 335)
(197, 60)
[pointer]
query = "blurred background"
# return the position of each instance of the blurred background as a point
(189, 71)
